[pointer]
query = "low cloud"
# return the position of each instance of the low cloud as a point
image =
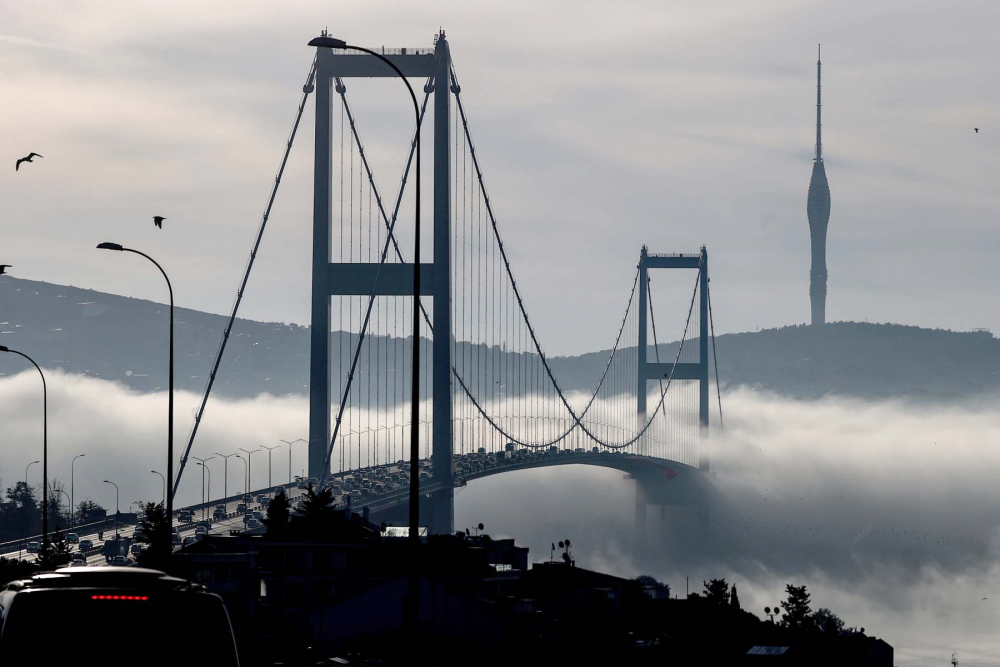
(887, 511)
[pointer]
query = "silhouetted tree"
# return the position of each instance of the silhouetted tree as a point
(317, 508)
(716, 591)
(828, 622)
(55, 553)
(734, 599)
(57, 507)
(157, 534)
(796, 607)
(12, 568)
(278, 513)
(85, 509)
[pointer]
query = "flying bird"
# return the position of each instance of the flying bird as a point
(976, 129)
(158, 221)
(3, 268)
(27, 158)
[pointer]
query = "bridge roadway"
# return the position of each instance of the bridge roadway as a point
(663, 481)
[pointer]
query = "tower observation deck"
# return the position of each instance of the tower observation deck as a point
(818, 211)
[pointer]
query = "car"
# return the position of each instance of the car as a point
(190, 539)
(258, 515)
(261, 497)
(72, 538)
(78, 557)
(253, 523)
(184, 516)
(85, 545)
(93, 597)
(33, 547)
(140, 532)
(424, 476)
(204, 524)
(137, 549)
(218, 514)
(248, 498)
(121, 561)
(356, 494)
(201, 530)
(241, 508)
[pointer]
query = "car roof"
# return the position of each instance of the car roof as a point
(100, 577)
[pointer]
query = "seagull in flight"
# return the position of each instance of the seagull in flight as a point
(976, 129)
(158, 221)
(3, 268)
(27, 158)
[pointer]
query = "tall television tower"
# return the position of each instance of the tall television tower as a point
(818, 210)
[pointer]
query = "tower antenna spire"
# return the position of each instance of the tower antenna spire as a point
(819, 105)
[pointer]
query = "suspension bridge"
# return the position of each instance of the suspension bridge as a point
(490, 401)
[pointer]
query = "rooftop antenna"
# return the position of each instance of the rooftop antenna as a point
(819, 104)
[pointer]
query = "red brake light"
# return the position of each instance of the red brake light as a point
(119, 597)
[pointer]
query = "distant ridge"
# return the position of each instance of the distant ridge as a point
(119, 338)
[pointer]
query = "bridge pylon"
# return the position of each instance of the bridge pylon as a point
(656, 371)
(357, 279)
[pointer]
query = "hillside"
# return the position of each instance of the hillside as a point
(124, 339)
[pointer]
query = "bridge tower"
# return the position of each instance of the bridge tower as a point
(357, 279)
(654, 371)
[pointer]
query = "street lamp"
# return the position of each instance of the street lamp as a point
(170, 379)
(117, 511)
(21, 513)
(290, 443)
(72, 491)
(204, 467)
(249, 468)
(225, 483)
(326, 41)
(67, 498)
(269, 464)
(245, 487)
(45, 449)
(26, 471)
(411, 608)
(163, 497)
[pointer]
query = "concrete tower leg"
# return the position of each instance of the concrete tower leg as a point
(441, 505)
(320, 368)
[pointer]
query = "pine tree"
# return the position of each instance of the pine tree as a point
(716, 591)
(797, 611)
(734, 599)
(278, 512)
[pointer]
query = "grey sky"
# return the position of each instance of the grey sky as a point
(673, 124)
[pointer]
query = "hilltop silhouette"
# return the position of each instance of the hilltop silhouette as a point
(122, 339)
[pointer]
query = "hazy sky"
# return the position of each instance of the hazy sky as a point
(667, 123)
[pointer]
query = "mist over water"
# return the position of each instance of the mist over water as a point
(889, 512)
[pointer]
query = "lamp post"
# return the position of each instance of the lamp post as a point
(45, 449)
(204, 467)
(269, 449)
(249, 468)
(72, 491)
(411, 605)
(163, 497)
(244, 473)
(290, 443)
(21, 514)
(225, 483)
(170, 375)
(116, 504)
(67, 498)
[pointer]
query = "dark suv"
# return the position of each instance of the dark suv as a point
(94, 597)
